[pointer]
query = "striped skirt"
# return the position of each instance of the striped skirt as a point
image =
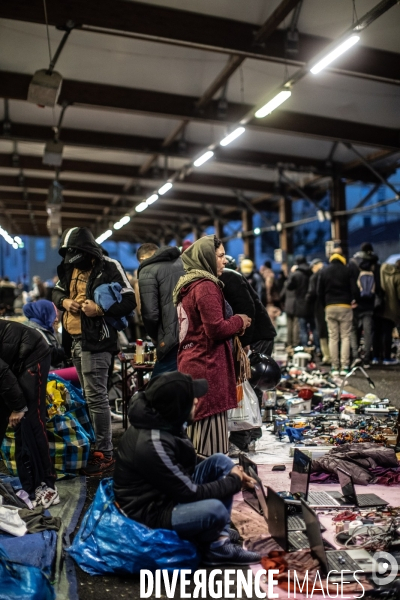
(210, 435)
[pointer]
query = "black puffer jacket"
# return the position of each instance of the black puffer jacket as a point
(20, 348)
(314, 301)
(154, 468)
(97, 334)
(158, 276)
(298, 282)
(244, 300)
(335, 284)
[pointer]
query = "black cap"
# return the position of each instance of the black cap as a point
(172, 395)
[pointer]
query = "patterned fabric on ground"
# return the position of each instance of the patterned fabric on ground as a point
(210, 435)
(380, 476)
(69, 434)
(304, 564)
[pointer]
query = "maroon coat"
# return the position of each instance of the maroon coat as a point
(204, 349)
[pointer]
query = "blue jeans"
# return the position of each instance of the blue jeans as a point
(168, 363)
(206, 520)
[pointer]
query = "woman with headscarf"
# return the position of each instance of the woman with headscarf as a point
(204, 349)
(42, 315)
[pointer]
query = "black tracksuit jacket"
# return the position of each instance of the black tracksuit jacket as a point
(154, 467)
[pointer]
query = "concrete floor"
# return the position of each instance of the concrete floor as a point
(387, 382)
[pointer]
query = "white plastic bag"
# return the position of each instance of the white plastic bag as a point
(247, 414)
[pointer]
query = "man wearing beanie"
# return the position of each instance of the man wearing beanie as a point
(158, 482)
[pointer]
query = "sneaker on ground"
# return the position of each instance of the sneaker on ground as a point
(390, 361)
(234, 536)
(344, 372)
(229, 554)
(115, 416)
(233, 451)
(252, 447)
(40, 490)
(366, 365)
(98, 464)
(50, 497)
(375, 361)
(335, 372)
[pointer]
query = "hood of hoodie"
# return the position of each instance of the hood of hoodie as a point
(82, 239)
(142, 416)
(305, 268)
(163, 254)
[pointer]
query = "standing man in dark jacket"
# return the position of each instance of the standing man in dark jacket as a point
(259, 336)
(24, 366)
(314, 301)
(362, 273)
(158, 483)
(337, 292)
(298, 282)
(255, 279)
(158, 274)
(95, 340)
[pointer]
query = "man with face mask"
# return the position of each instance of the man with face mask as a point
(83, 269)
(157, 479)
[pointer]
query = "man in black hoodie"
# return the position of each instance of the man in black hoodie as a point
(158, 483)
(158, 274)
(84, 269)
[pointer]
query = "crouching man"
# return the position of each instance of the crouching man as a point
(158, 483)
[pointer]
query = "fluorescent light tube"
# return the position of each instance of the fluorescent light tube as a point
(232, 136)
(141, 207)
(203, 158)
(117, 225)
(320, 216)
(257, 231)
(152, 199)
(125, 220)
(165, 188)
(273, 104)
(324, 62)
(104, 236)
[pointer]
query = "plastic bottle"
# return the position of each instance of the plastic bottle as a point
(139, 352)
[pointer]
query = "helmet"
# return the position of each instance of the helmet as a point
(231, 262)
(265, 372)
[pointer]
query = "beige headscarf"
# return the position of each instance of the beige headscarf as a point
(199, 262)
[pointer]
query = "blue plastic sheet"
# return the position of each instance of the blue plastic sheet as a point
(109, 542)
(21, 582)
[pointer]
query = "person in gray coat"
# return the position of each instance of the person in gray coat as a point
(158, 273)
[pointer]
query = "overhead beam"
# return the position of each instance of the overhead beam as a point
(15, 86)
(205, 32)
(130, 143)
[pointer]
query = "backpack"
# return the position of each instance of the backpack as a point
(366, 284)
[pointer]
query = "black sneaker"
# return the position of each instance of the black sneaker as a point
(98, 464)
(229, 554)
(234, 536)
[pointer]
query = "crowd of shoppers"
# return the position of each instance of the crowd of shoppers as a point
(172, 469)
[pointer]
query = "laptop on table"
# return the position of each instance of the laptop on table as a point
(294, 522)
(350, 496)
(339, 560)
(277, 521)
(300, 482)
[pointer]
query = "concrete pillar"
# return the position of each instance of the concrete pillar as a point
(247, 220)
(339, 223)
(286, 235)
